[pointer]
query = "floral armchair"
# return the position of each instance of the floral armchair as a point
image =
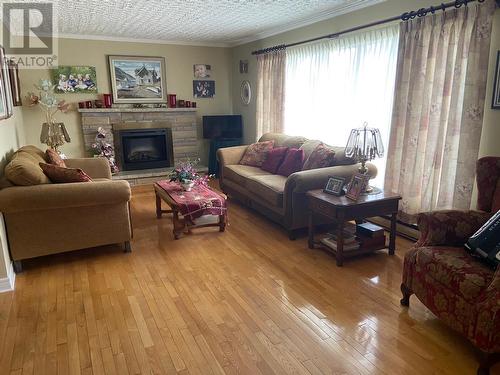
(459, 289)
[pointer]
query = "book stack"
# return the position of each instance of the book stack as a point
(361, 236)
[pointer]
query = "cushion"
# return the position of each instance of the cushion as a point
(293, 162)
(54, 158)
(274, 159)
(283, 140)
(321, 157)
(453, 268)
(24, 169)
(495, 205)
(64, 175)
(239, 174)
(256, 153)
(269, 188)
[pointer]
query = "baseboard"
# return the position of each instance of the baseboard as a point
(7, 283)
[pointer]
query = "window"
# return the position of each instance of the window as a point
(336, 85)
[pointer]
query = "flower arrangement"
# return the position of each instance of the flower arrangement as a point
(102, 148)
(53, 134)
(185, 173)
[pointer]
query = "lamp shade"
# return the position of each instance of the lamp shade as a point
(364, 144)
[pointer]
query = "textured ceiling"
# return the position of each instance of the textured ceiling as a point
(224, 22)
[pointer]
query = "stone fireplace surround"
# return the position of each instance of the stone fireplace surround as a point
(182, 122)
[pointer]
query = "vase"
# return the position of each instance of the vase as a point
(187, 185)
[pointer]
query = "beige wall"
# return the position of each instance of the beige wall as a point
(11, 137)
(490, 143)
(179, 67)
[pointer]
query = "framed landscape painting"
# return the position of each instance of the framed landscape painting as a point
(74, 79)
(136, 79)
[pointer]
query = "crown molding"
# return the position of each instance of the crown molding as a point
(141, 40)
(349, 7)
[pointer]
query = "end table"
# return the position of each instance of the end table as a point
(341, 210)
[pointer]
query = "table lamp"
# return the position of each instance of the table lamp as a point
(364, 144)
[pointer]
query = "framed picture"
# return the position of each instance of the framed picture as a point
(203, 89)
(74, 79)
(202, 71)
(15, 83)
(495, 104)
(243, 66)
(137, 79)
(7, 108)
(334, 186)
(358, 184)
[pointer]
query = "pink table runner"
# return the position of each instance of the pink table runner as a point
(200, 201)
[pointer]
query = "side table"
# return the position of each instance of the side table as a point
(341, 210)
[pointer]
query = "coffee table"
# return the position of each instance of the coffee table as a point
(340, 210)
(192, 209)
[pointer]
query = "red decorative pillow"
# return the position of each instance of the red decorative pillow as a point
(256, 153)
(293, 162)
(54, 158)
(321, 157)
(274, 159)
(64, 175)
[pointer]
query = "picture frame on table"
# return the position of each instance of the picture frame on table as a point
(137, 79)
(495, 102)
(335, 186)
(357, 186)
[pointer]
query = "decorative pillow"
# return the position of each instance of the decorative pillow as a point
(274, 159)
(293, 162)
(64, 175)
(256, 153)
(321, 157)
(23, 169)
(54, 158)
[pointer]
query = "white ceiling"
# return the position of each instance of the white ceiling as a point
(200, 22)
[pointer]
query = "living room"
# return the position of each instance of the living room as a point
(371, 124)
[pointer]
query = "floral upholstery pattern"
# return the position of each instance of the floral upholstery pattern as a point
(452, 228)
(256, 153)
(321, 157)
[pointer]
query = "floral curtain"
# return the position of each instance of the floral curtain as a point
(438, 109)
(270, 92)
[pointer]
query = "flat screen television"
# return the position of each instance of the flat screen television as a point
(225, 126)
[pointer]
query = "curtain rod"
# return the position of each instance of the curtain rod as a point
(404, 17)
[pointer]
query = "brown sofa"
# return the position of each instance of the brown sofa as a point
(281, 199)
(51, 218)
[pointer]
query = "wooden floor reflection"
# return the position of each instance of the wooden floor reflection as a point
(245, 301)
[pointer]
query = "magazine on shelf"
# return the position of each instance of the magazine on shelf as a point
(332, 244)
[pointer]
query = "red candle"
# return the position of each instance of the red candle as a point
(172, 100)
(107, 100)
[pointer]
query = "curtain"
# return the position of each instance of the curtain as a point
(270, 92)
(438, 109)
(336, 85)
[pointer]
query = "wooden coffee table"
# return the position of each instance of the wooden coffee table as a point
(340, 210)
(182, 224)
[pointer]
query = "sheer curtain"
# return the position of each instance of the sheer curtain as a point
(336, 85)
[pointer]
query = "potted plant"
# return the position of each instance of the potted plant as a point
(185, 173)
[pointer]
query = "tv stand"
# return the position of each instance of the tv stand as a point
(215, 144)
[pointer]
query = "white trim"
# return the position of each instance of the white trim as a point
(8, 283)
(142, 40)
(345, 8)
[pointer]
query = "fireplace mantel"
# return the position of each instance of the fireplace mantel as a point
(136, 110)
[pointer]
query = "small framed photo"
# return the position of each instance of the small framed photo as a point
(202, 70)
(357, 186)
(495, 103)
(335, 186)
(243, 66)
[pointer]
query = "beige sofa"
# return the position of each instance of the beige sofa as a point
(51, 218)
(281, 199)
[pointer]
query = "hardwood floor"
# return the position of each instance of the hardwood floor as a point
(245, 301)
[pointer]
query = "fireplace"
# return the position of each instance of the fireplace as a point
(146, 149)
